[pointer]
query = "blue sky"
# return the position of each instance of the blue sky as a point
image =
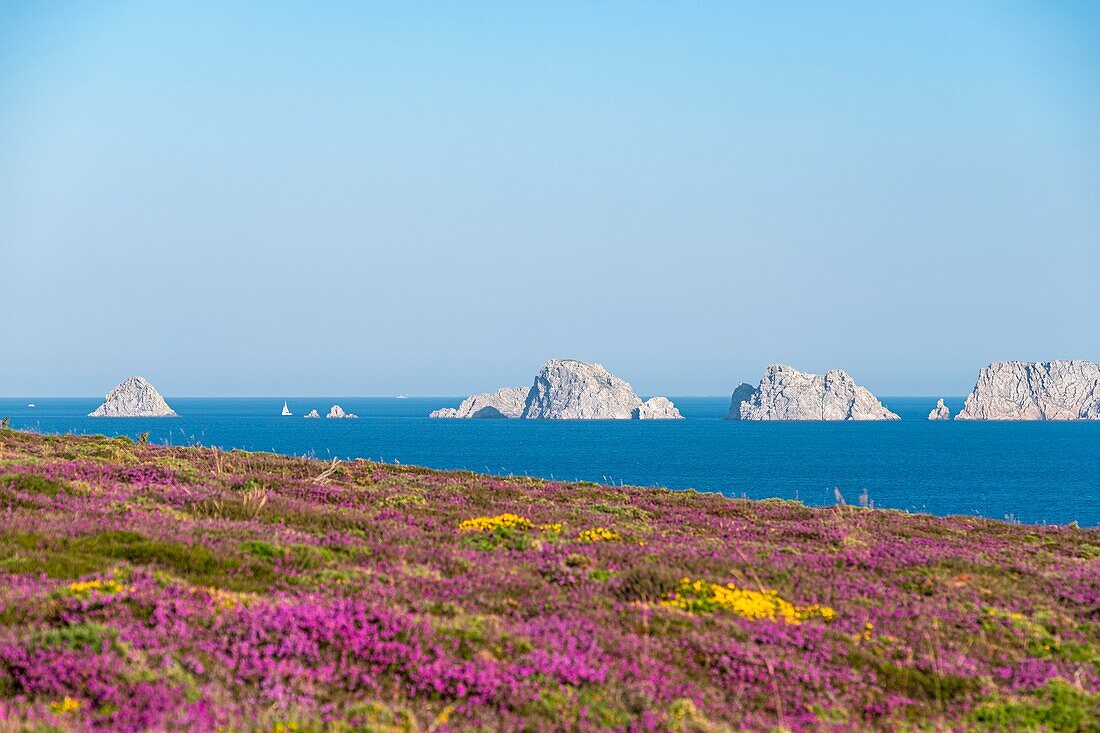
(435, 198)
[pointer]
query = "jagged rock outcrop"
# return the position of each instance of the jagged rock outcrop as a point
(743, 393)
(134, 397)
(505, 402)
(338, 412)
(656, 408)
(788, 394)
(1022, 390)
(567, 389)
(312, 414)
(940, 412)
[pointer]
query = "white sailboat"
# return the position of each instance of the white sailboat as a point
(286, 409)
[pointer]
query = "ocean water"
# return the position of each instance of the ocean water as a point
(1030, 472)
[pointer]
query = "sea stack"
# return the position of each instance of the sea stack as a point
(505, 402)
(311, 415)
(134, 397)
(743, 393)
(940, 411)
(656, 408)
(567, 389)
(1023, 390)
(788, 394)
(337, 412)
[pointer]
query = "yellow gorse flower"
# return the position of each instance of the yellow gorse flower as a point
(65, 705)
(489, 524)
(290, 727)
(106, 587)
(444, 715)
(598, 534)
(700, 595)
(552, 528)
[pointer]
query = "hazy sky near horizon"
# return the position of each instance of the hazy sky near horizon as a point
(435, 198)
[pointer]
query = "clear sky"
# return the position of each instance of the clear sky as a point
(434, 198)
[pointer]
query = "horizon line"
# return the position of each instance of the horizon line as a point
(394, 397)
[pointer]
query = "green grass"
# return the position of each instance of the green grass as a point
(1057, 706)
(72, 557)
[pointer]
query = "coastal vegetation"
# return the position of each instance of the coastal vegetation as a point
(145, 587)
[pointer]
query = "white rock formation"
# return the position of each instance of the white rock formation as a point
(505, 402)
(656, 408)
(940, 412)
(743, 393)
(1022, 390)
(134, 397)
(788, 394)
(311, 415)
(338, 412)
(567, 389)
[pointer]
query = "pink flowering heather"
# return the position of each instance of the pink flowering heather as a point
(146, 588)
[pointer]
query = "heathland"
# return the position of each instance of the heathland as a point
(160, 588)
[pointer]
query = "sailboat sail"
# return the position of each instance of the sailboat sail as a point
(286, 409)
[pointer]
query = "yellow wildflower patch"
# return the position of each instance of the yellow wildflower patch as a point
(598, 534)
(1011, 615)
(84, 588)
(65, 705)
(552, 528)
(229, 599)
(444, 715)
(700, 595)
(490, 524)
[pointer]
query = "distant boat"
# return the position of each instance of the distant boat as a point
(286, 410)
(402, 397)
(30, 404)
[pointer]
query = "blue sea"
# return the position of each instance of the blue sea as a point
(1029, 472)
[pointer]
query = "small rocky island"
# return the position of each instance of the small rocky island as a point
(311, 415)
(1022, 390)
(566, 389)
(788, 394)
(505, 402)
(656, 408)
(337, 412)
(134, 397)
(940, 411)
